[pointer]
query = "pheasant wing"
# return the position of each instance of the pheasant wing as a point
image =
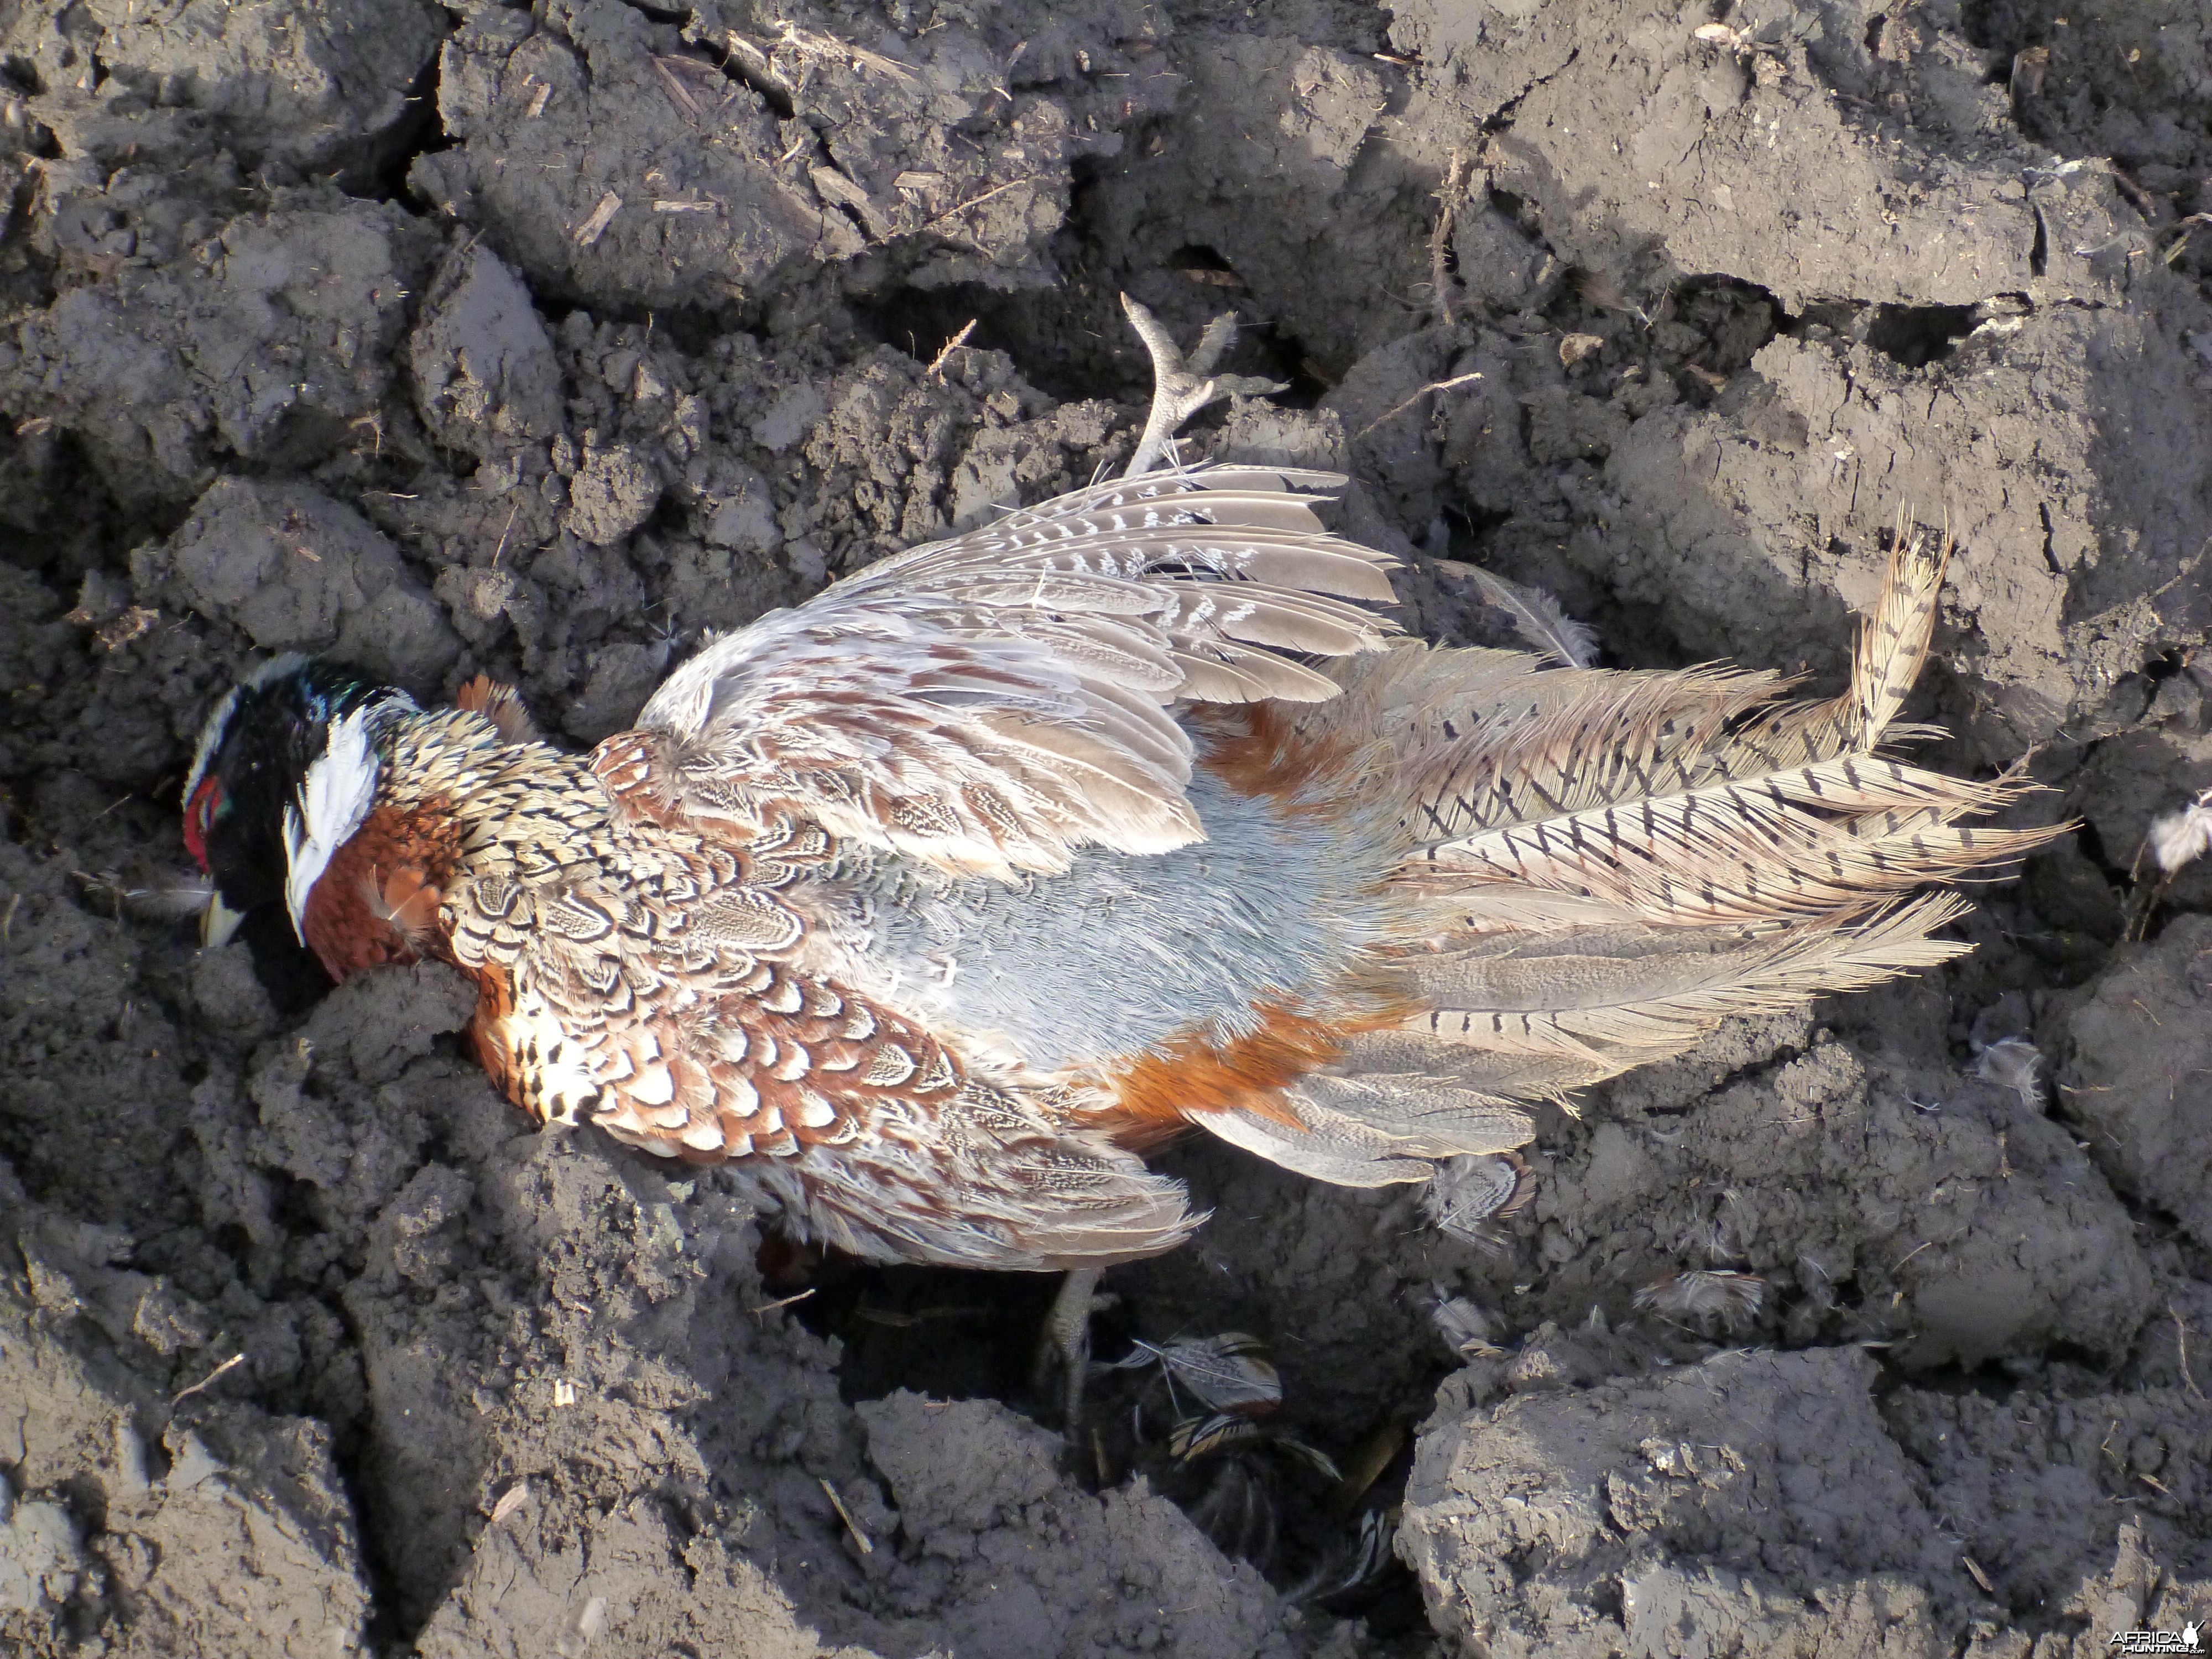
(991, 703)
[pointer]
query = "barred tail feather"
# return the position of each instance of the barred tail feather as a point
(1893, 646)
(1596, 868)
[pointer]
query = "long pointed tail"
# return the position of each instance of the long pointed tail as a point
(1599, 867)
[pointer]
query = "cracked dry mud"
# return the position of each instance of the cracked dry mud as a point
(535, 341)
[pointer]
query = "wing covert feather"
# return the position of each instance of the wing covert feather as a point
(991, 702)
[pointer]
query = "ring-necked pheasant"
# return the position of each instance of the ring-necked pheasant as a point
(938, 899)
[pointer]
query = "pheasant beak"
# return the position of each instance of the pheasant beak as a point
(218, 922)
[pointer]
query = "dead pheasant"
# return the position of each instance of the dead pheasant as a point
(934, 902)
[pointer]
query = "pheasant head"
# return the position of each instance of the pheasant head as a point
(286, 772)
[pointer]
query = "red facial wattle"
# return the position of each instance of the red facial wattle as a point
(199, 818)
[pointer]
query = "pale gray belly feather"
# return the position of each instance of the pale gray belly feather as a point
(1121, 952)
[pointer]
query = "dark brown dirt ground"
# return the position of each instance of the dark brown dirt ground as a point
(537, 340)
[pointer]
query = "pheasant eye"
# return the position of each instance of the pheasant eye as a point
(200, 813)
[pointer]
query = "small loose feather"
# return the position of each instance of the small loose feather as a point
(1229, 1372)
(1467, 1192)
(1192, 1438)
(155, 900)
(1537, 617)
(1468, 1331)
(2178, 838)
(1705, 1297)
(2016, 1064)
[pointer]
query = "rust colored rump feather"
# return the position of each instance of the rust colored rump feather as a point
(1274, 752)
(1161, 1092)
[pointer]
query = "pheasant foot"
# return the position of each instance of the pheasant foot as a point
(1065, 1341)
(1182, 385)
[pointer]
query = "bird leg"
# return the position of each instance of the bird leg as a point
(1067, 1340)
(1183, 385)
